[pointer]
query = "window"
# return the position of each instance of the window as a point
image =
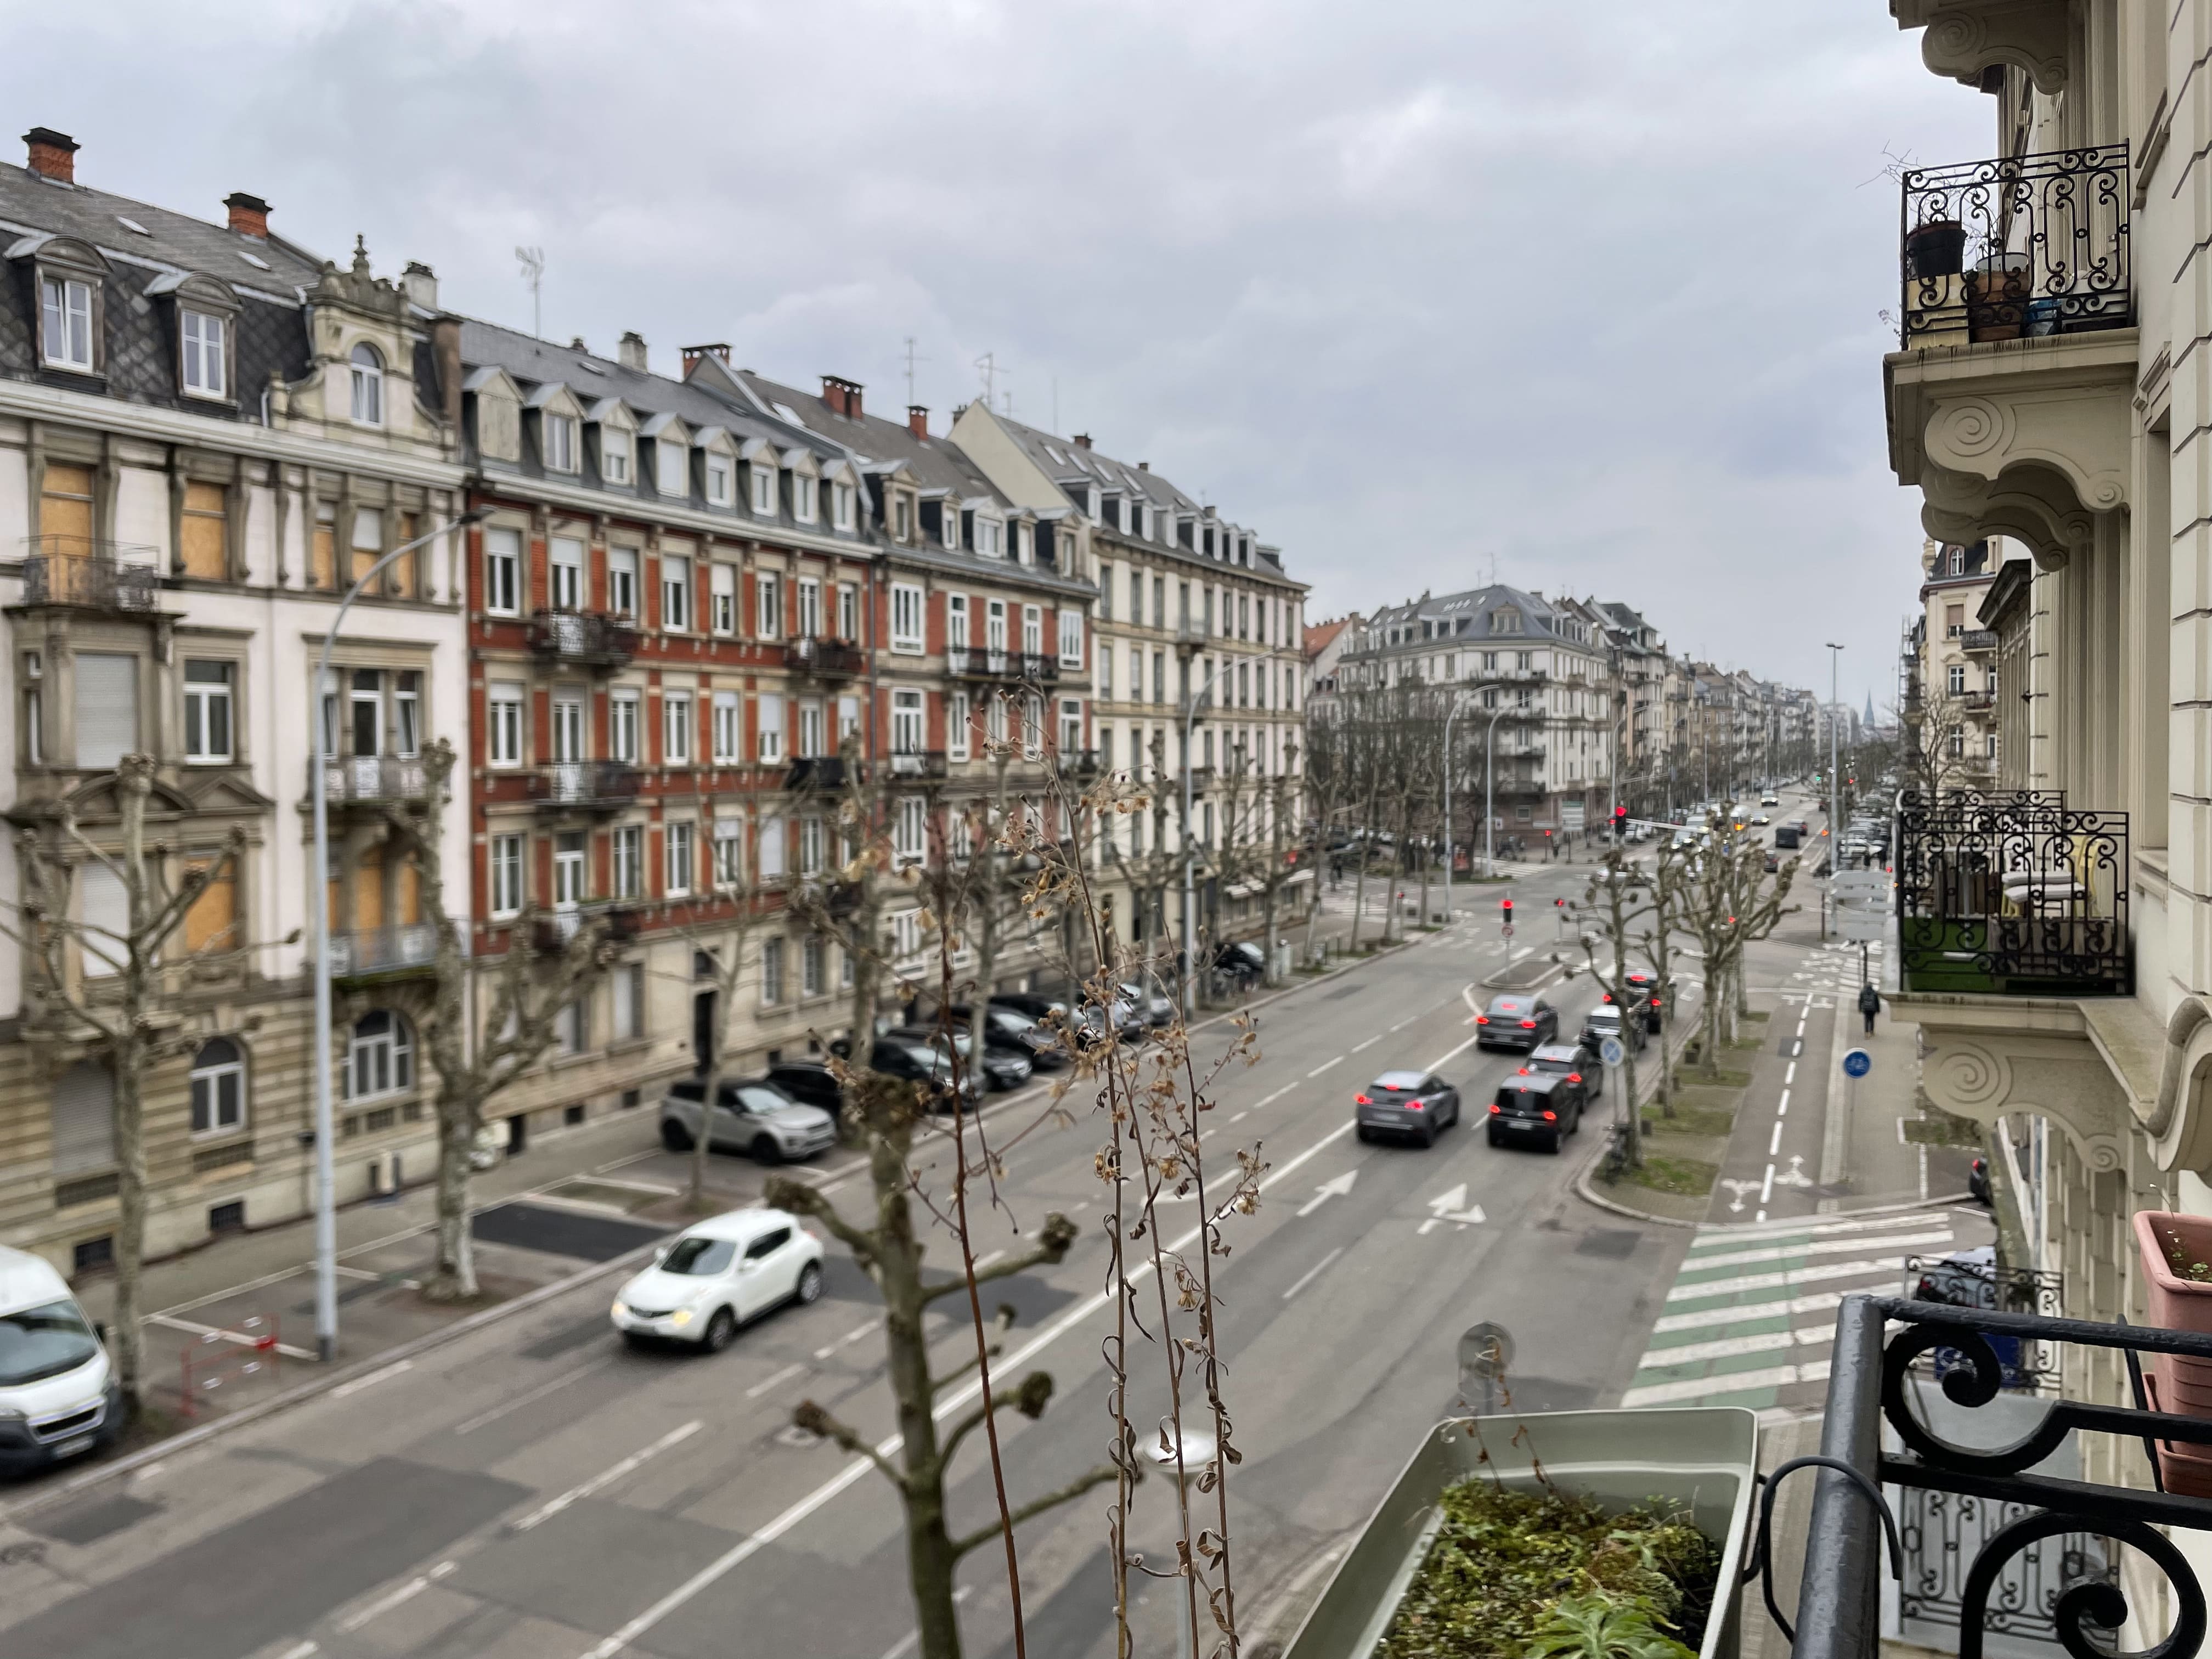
(809, 966)
(990, 535)
(34, 742)
(771, 849)
(676, 728)
(407, 713)
(906, 723)
(813, 846)
(1071, 726)
(1159, 677)
(1105, 672)
(771, 727)
(503, 572)
(910, 831)
(629, 980)
(956, 724)
(675, 591)
(679, 859)
(572, 1027)
(565, 574)
(207, 369)
(814, 733)
(1032, 726)
(902, 515)
(723, 617)
(380, 1057)
(841, 506)
(67, 313)
(567, 709)
(1159, 600)
(848, 718)
(956, 637)
(559, 445)
(1071, 639)
(803, 491)
(107, 708)
(613, 454)
(622, 580)
(905, 618)
(768, 605)
(568, 885)
(622, 727)
(670, 469)
(503, 724)
(848, 614)
(718, 480)
(1958, 680)
(764, 492)
(207, 712)
(729, 728)
(771, 971)
(367, 386)
(810, 608)
(506, 875)
(218, 1087)
(994, 627)
(1032, 630)
(729, 852)
(628, 869)
(949, 518)
(1025, 543)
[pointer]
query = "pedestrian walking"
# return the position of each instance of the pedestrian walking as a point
(1869, 1005)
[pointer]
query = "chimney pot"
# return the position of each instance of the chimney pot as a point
(1083, 441)
(1143, 466)
(631, 352)
(249, 215)
(843, 396)
(53, 155)
(694, 355)
(421, 284)
(917, 419)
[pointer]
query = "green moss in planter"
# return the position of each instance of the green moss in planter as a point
(1505, 1560)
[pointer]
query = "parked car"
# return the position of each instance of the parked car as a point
(811, 1082)
(1016, 1033)
(1760, 819)
(58, 1395)
(1970, 1279)
(718, 1275)
(1001, 1068)
(1037, 1007)
(1243, 963)
(1643, 989)
(1150, 1006)
(1579, 1061)
(1542, 1107)
(1417, 1103)
(752, 1115)
(1516, 1020)
(913, 1056)
(1605, 1021)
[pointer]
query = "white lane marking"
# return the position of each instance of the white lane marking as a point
(1336, 1187)
(1242, 1115)
(1370, 1043)
(1774, 1376)
(1783, 1110)
(781, 1376)
(298, 1652)
(1814, 1302)
(1277, 1096)
(1794, 1276)
(1790, 1076)
(912, 1639)
(1816, 1247)
(1766, 1187)
(743, 1550)
(844, 1341)
(1735, 1238)
(406, 1592)
(607, 1477)
(1324, 1067)
(1313, 1273)
(361, 1382)
(1402, 1024)
(443, 1568)
(473, 1424)
(1774, 1140)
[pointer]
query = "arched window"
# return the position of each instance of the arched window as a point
(218, 1087)
(367, 386)
(380, 1058)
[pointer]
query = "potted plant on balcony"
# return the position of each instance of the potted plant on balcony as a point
(1997, 297)
(1628, 1525)
(1935, 255)
(2176, 1252)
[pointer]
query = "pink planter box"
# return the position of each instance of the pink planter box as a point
(2177, 1382)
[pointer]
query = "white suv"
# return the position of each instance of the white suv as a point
(719, 1275)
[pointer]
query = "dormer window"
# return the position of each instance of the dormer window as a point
(1145, 521)
(67, 319)
(841, 506)
(802, 497)
(902, 516)
(367, 386)
(764, 492)
(989, 537)
(717, 481)
(614, 455)
(1025, 542)
(205, 340)
(950, 514)
(670, 469)
(559, 435)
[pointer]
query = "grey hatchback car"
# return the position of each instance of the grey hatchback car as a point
(1516, 1020)
(1417, 1103)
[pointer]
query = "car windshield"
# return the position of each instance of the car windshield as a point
(41, 1342)
(1007, 1022)
(759, 1097)
(695, 1258)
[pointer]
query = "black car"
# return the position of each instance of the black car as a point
(1605, 1021)
(811, 1082)
(1016, 1033)
(1002, 1068)
(1644, 987)
(1516, 1020)
(1577, 1063)
(1541, 1106)
(914, 1057)
(1417, 1103)
(1243, 964)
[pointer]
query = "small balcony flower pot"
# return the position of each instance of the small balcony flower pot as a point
(1997, 298)
(1936, 248)
(1702, 1460)
(2171, 1247)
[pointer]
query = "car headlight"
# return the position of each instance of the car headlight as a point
(10, 1414)
(681, 1317)
(622, 1310)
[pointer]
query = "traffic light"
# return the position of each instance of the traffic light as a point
(1506, 906)
(1619, 820)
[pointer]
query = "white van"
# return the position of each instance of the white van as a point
(57, 1393)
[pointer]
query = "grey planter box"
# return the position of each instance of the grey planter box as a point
(1702, 1457)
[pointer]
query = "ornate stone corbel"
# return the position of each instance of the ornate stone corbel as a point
(1965, 40)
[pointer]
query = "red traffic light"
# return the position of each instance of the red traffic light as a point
(1506, 905)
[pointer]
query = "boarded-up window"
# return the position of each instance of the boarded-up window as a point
(107, 708)
(367, 541)
(323, 555)
(65, 509)
(212, 922)
(204, 531)
(104, 911)
(368, 890)
(410, 883)
(83, 1119)
(407, 571)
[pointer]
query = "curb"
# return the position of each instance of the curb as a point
(1581, 1186)
(314, 1387)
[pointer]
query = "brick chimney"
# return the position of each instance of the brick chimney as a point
(630, 352)
(917, 419)
(53, 155)
(843, 396)
(694, 355)
(1143, 466)
(1082, 441)
(421, 284)
(249, 215)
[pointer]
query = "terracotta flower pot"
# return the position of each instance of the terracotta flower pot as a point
(2178, 1382)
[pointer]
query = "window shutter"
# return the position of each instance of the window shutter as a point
(104, 902)
(83, 1119)
(626, 1002)
(106, 709)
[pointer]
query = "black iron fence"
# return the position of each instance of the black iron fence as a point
(592, 783)
(827, 659)
(584, 636)
(2019, 247)
(2013, 892)
(77, 571)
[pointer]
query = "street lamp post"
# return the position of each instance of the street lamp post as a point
(1835, 783)
(1189, 899)
(326, 1223)
(1490, 795)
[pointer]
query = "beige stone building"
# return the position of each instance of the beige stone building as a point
(1950, 705)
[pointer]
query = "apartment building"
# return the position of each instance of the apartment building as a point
(206, 433)
(1197, 670)
(1949, 712)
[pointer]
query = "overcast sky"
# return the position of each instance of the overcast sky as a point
(1590, 291)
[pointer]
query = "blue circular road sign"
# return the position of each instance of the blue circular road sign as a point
(1857, 1063)
(1611, 1052)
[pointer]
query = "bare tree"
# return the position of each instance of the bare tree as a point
(114, 1011)
(720, 943)
(1727, 903)
(1621, 897)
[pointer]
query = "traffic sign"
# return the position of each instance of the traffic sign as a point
(1486, 1353)
(1857, 1063)
(1611, 1052)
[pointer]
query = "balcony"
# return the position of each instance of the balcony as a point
(917, 763)
(2012, 893)
(376, 956)
(551, 930)
(91, 575)
(1014, 667)
(372, 781)
(826, 659)
(1978, 641)
(593, 785)
(1979, 702)
(820, 773)
(585, 638)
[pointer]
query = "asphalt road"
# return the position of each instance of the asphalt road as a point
(534, 1489)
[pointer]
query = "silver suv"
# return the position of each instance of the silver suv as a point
(753, 1117)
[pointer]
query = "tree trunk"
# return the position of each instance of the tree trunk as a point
(711, 1080)
(129, 1063)
(1708, 1026)
(455, 1278)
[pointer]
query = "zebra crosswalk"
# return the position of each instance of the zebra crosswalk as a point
(1761, 1338)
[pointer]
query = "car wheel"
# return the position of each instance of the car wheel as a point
(810, 1284)
(1552, 1146)
(1428, 1134)
(674, 1136)
(719, 1329)
(764, 1150)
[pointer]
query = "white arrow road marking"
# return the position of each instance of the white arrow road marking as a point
(1795, 1177)
(1740, 1188)
(1329, 1189)
(1452, 1206)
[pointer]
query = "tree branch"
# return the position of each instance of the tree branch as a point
(816, 1420)
(1096, 1476)
(784, 1193)
(1052, 1249)
(1029, 1397)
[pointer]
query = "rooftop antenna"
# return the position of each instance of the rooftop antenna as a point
(1010, 403)
(911, 360)
(534, 273)
(989, 365)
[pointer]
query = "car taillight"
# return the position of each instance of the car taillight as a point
(1495, 1107)
(1482, 1019)
(1527, 1024)
(1608, 996)
(1654, 1002)
(1361, 1100)
(1550, 1117)
(1574, 1077)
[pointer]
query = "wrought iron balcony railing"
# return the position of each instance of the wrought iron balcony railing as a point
(590, 785)
(379, 952)
(551, 930)
(819, 772)
(1991, 1541)
(829, 660)
(92, 575)
(917, 763)
(2019, 247)
(373, 780)
(1978, 641)
(583, 636)
(2012, 892)
(1025, 667)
